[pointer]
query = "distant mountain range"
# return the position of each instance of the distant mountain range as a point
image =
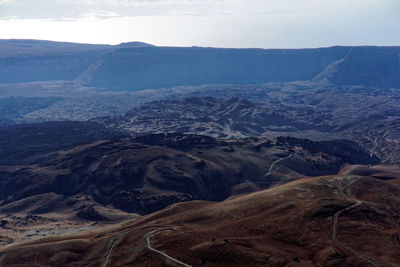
(137, 66)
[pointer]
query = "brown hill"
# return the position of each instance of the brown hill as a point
(384, 172)
(147, 173)
(322, 221)
(112, 180)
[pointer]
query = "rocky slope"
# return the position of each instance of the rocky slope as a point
(300, 114)
(222, 118)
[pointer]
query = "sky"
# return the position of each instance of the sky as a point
(217, 23)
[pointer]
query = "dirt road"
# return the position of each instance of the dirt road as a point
(147, 237)
(335, 221)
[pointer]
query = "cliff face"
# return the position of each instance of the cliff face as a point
(138, 66)
(368, 66)
(44, 67)
(157, 67)
(31, 60)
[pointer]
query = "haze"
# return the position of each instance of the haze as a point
(230, 23)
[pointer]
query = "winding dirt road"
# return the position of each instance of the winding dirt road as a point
(271, 167)
(148, 245)
(117, 239)
(276, 162)
(335, 220)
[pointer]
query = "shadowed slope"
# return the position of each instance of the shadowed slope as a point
(145, 174)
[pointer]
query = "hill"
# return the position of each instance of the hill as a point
(323, 221)
(103, 180)
(147, 173)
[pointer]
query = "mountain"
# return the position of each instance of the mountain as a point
(134, 45)
(135, 69)
(30, 60)
(323, 221)
(25, 48)
(134, 66)
(35, 60)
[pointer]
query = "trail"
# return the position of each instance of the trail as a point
(335, 219)
(119, 237)
(276, 162)
(270, 170)
(148, 243)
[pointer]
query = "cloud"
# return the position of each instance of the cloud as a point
(76, 9)
(69, 9)
(102, 15)
(229, 23)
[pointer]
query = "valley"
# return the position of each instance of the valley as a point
(143, 155)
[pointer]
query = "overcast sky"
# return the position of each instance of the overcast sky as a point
(220, 23)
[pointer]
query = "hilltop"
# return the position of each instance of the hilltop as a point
(323, 221)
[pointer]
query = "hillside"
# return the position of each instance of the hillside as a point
(21, 143)
(323, 221)
(103, 181)
(147, 173)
